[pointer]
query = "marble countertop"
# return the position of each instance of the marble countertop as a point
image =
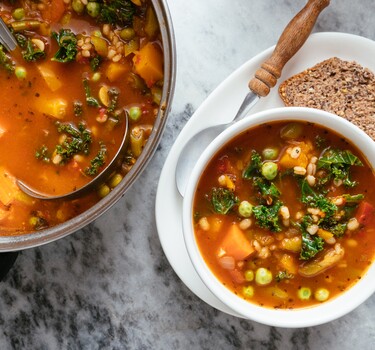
(110, 286)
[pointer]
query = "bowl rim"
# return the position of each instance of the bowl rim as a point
(296, 318)
(22, 241)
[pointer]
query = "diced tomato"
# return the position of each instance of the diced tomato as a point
(365, 213)
(237, 276)
(223, 165)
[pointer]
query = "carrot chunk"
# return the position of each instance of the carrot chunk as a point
(148, 63)
(236, 244)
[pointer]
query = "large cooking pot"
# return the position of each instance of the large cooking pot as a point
(29, 240)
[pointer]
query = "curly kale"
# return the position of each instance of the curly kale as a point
(67, 42)
(223, 200)
(5, 61)
(268, 216)
(254, 167)
(97, 162)
(337, 163)
(117, 12)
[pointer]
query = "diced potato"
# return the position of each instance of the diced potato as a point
(53, 107)
(287, 161)
(9, 191)
(289, 263)
(148, 63)
(50, 77)
(292, 244)
(137, 2)
(115, 71)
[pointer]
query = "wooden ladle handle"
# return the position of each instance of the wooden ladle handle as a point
(293, 37)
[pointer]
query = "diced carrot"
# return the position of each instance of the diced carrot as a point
(236, 244)
(324, 234)
(365, 213)
(148, 63)
(54, 11)
(287, 161)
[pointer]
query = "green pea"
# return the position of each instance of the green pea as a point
(115, 180)
(96, 77)
(20, 72)
(103, 191)
(78, 6)
(321, 294)
(269, 170)
(18, 14)
(263, 276)
(93, 9)
(135, 113)
(304, 293)
(249, 275)
(245, 209)
(248, 291)
(127, 34)
(270, 153)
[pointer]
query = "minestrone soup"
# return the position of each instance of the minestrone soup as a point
(79, 70)
(284, 215)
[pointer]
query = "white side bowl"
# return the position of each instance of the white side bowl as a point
(305, 317)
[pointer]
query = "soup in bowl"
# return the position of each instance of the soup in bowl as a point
(279, 217)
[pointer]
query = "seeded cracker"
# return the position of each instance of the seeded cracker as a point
(337, 86)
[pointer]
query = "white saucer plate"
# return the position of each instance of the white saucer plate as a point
(221, 106)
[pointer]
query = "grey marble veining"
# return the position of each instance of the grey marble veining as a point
(110, 286)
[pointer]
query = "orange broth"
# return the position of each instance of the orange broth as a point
(236, 267)
(29, 116)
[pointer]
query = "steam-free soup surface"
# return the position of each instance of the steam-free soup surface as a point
(80, 70)
(284, 215)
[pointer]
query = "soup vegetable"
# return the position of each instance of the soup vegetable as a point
(284, 215)
(81, 68)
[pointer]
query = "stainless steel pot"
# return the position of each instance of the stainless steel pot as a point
(30, 240)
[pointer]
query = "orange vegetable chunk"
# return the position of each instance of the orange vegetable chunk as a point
(287, 161)
(148, 63)
(236, 244)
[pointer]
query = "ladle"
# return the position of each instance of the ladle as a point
(94, 183)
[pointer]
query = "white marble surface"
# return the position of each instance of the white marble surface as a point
(109, 286)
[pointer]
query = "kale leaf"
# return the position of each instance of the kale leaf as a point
(67, 42)
(268, 216)
(5, 61)
(223, 200)
(254, 167)
(95, 62)
(118, 12)
(91, 101)
(311, 245)
(97, 162)
(266, 188)
(337, 163)
(32, 52)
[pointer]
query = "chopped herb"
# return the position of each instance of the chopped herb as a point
(32, 52)
(113, 93)
(43, 154)
(97, 162)
(77, 108)
(91, 101)
(67, 42)
(254, 167)
(223, 200)
(5, 61)
(337, 163)
(283, 275)
(118, 12)
(268, 216)
(78, 141)
(95, 63)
